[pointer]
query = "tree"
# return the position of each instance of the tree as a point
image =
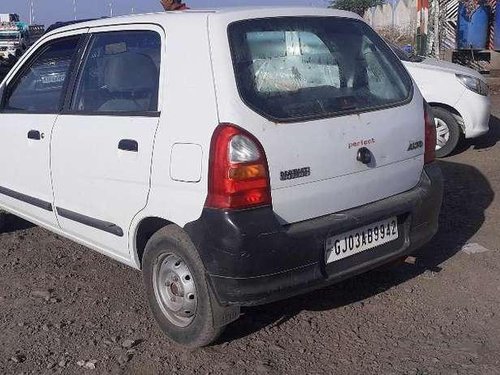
(356, 6)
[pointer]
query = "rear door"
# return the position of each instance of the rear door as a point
(103, 143)
(32, 100)
(333, 108)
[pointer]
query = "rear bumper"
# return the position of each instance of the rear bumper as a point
(252, 259)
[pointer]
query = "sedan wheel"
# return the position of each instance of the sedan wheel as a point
(442, 133)
(447, 132)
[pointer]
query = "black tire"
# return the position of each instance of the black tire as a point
(3, 217)
(202, 330)
(447, 118)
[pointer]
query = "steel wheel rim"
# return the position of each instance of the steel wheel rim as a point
(442, 133)
(175, 289)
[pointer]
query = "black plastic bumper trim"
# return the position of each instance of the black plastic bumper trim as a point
(91, 222)
(251, 258)
(26, 198)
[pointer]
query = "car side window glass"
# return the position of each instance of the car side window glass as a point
(39, 87)
(121, 74)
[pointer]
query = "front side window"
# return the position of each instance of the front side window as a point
(120, 74)
(294, 68)
(39, 87)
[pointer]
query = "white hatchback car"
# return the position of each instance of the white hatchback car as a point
(459, 97)
(235, 156)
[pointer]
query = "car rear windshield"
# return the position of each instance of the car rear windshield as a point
(297, 68)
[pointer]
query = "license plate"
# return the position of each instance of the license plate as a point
(361, 239)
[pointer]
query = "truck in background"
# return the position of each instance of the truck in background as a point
(35, 33)
(14, 36)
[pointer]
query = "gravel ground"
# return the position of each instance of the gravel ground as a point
(65, 309)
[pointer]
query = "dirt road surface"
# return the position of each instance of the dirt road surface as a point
(65, 309)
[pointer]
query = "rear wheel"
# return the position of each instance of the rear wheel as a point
(178, 293)
(447, 132)
(3, 216)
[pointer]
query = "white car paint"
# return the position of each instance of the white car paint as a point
(221, 156)
(437, 81)
(338, 181)
(78, 165)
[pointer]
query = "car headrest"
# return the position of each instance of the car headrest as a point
(130, 71)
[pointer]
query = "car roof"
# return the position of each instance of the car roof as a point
(226, 13)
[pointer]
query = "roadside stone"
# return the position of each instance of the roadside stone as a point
(474, 248)
(263, 368)
(428, 274)
(89, 365)
(128, 344)
(45, 294)
(411, 260)
(124, 358)
(19, 358)
(276, 348)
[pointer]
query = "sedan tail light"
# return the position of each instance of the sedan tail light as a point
(430, 134)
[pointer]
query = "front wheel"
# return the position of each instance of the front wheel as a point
(447, 132)
(178, 293)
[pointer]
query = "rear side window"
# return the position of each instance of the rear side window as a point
(296, 68)
(120, 74)
(39, 87)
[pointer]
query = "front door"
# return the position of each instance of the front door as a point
(103, 144)
(32, 99)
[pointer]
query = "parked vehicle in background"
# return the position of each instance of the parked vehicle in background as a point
(35, 33)
(289, 152)
(459, 97)
(14, 36)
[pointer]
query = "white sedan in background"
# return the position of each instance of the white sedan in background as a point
(458, 95)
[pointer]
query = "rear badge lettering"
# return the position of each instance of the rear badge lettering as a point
(415, 145)
(295, 173)
(361, 143)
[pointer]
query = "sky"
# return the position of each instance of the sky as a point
(50, 11)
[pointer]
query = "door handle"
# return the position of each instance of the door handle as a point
(128, 145)
(34, 134)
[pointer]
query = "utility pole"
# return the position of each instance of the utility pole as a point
(32, 12)
(74, 8)
(111, 8)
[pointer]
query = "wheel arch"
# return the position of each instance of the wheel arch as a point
(144, 230)
(453, 111)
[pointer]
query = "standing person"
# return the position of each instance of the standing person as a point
(170, 5)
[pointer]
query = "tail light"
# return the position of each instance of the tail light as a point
(238, 170)
(430, 134)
